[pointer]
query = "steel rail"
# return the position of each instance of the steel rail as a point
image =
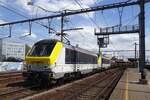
(94, 91)
(101, 93)
(85, 89)
(18, 90)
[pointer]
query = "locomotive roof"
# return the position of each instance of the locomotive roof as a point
(47, 41)
(67, 46)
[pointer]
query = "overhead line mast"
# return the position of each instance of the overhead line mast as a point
(142, 41)
(141, 31)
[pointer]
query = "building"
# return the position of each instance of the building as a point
(11, 49)
(27, 49)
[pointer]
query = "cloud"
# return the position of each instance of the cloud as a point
(26, 34)
(87, 40)
(122, 42)
(58, 5)
(84, 38)
(2, 21)
(54, 5)
(23, 4)
(87, 2)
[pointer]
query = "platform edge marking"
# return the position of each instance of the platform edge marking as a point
(126, 88)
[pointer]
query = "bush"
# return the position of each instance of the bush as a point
(13, 59)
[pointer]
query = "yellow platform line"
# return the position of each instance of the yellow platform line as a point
(126, 88)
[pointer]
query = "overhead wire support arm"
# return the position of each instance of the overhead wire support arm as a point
(72, 29)
(62, 26)
(10, 30)
(120, 11)
(49, 26)
(30, 28)
(104, 7)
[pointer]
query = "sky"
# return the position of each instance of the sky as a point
(14, 10)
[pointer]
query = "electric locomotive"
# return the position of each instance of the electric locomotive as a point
(53, 59)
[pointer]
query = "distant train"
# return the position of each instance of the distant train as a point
(55, 60)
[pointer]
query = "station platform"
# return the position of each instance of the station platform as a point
(128, 88)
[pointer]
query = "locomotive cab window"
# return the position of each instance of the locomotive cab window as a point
(42, 49)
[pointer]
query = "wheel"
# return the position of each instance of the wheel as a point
(60, 81)
(78, 75)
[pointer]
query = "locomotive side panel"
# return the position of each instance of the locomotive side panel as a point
(60, 68)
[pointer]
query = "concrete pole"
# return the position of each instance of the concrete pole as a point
(142, 40)
(62, 26)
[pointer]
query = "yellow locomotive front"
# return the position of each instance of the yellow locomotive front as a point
(41, 58)
(38, 59)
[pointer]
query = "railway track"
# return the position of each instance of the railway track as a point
(96, 91)
(14, 93)
(100, 89)
(95, 87)
(9, 78)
